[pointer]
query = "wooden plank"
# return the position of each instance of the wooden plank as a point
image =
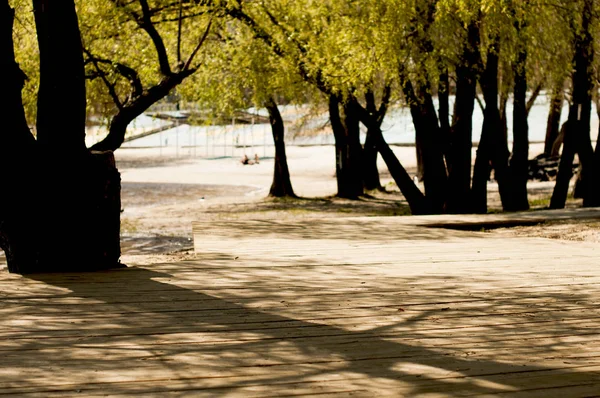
(345, 307)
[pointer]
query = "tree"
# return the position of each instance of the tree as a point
(134, 82)
(577, 132)
(241, 72)
(64, 198)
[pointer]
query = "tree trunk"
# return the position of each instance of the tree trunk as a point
(461, 142)
(282, 185)
(577, 134)
(519, 159)
(429, 142)
(348, 149)
(595, 194)
(62, 210)
(371, 179)
(492, 151)
(62, 76)
(18, 210)
(444, 107)
(417, 202)
(553, 123)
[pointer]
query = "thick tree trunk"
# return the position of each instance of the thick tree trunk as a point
(553, 123)
(18, 210)
(565, 167)
(371, 179)
(577, 134)
(595, 195)
(348, 150)
(282, 185)
(492, 151)
(61, 97)
(519, 159)
(461, 142)
(62, 210)
(429, 142)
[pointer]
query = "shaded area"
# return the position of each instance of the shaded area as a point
(384, 204)
(154, 244)
(196, 327)
(352, 229)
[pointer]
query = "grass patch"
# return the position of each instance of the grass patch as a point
(540, 202)
(129, 226)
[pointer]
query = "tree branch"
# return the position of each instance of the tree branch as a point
(534, 94)
(145, 22)
(128, 73)
(188, 63)
(100, 73)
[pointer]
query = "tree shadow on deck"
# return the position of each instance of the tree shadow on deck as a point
(195, 326)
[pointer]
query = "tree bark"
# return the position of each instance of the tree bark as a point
(520, 155)
(63, 199)
(348, 149)
(62, 78)
(461, 142)
(417, 202)
(553, 123)
(492, 151)
(444, 107)
(429, 141)
(282, 185)
(577, 134)
(371, 179)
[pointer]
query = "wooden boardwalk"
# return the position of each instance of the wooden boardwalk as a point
(347, 307)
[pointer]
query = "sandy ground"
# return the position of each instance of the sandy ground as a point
(163, 193)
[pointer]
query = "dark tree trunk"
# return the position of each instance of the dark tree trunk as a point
(417, 202)
(519, 159)
(461, 142)
(18, 210)
(504, 92)
(429, 142)
(577, 134)
(62, 210)
(62, 76)
(348, 149)
(134, 108)
(370, 172)
(553, 123)
(595, 195)
(492, 151)
(282, 185)
(371, 179)
(444, 107)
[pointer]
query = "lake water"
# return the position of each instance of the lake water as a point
(397, 129)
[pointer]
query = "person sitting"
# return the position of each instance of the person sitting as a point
(245, 160)
(256, 160)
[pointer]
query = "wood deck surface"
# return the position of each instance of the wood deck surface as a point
(345, 307)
